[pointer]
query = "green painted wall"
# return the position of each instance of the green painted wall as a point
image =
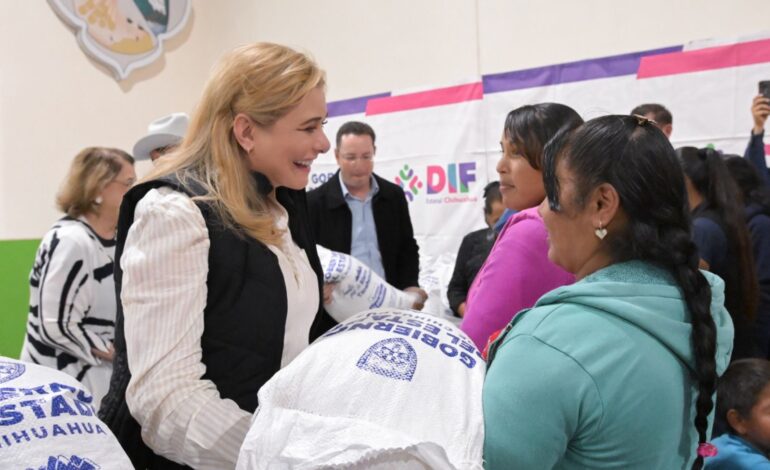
(16, 258)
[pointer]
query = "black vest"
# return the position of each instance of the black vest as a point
(244, 317)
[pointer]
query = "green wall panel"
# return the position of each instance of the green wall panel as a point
(16, 258)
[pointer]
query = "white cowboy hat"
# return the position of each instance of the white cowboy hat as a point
(168, 130)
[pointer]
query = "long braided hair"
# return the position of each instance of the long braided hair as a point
(634, 156)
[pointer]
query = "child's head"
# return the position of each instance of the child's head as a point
(743, 401)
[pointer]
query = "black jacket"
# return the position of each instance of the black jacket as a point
(758, 219)
(332, 225)
(474, 250)
(244, 317)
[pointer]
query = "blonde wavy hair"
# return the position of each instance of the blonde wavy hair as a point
(263, 81)
(91, 170)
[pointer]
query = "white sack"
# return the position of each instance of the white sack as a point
(385, 389)
(435, 274)
(358, 288)
(47, 421)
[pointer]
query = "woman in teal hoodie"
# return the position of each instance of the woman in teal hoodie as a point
(619, 369)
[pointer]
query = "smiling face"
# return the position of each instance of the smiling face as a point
(572, 240)
(521, 185)
(284, 151)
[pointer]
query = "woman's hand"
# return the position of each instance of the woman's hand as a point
(106, 356)
(422, 296)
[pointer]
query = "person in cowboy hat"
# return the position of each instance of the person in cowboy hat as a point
(163, 134)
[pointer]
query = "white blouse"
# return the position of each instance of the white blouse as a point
(165, 266)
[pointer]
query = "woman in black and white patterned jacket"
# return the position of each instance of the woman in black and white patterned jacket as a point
(72, 303)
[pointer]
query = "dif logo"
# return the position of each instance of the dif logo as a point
(452, 178)
(455, 179)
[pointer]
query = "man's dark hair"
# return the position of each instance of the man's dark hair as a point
(740, 387)
(355, 128)
(660, 114)
(491, 195)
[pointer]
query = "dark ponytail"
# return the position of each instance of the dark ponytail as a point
(635, 157)
(709, 175)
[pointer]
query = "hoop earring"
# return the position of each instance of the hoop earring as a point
(600, 232)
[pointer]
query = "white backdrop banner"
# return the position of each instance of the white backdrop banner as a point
(442, 144)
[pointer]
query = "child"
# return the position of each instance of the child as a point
(743, 402)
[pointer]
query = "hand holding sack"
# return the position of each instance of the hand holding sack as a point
(385, 389)
(357, 287)
(47, 421)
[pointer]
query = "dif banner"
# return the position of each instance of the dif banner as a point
(444, 193)
(437, 156)
(441, 144)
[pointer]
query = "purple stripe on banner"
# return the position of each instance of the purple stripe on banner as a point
(352, 106)
(591, 69)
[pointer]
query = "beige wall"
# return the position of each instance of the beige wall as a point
(55, 101)
(520, 34)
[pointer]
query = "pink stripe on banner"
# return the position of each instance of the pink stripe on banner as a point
(767, 149)
(425, 99)
(711, 58)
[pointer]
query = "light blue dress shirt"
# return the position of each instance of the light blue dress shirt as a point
(363, 237)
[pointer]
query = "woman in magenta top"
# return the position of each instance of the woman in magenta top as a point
(517, 271)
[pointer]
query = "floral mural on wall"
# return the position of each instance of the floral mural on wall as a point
(123, 34)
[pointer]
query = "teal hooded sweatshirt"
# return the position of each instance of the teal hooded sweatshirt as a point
(599, 374)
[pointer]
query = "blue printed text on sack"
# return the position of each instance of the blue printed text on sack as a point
(416, 330)
(39, 404)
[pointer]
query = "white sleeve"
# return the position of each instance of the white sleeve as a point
(165, 265)
(66, 295)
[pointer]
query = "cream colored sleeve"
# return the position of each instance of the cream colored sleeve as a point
(165, 265)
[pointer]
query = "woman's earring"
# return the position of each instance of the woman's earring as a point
(601, 232)
(98, 200)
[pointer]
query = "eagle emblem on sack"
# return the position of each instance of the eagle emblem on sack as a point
(72, 463)
(10, 370)
(393, 358)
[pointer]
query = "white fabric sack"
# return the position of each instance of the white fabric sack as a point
(435, 275)
(358, 288)
(47, 421)
(386, 389)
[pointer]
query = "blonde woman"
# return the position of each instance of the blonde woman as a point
(71, 323)
(219, 279)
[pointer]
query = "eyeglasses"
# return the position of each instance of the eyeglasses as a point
(353, 158)
(128, 183)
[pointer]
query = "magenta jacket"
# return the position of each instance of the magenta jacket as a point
(516, 273)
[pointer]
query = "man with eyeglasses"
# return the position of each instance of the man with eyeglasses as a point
(358, 213)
